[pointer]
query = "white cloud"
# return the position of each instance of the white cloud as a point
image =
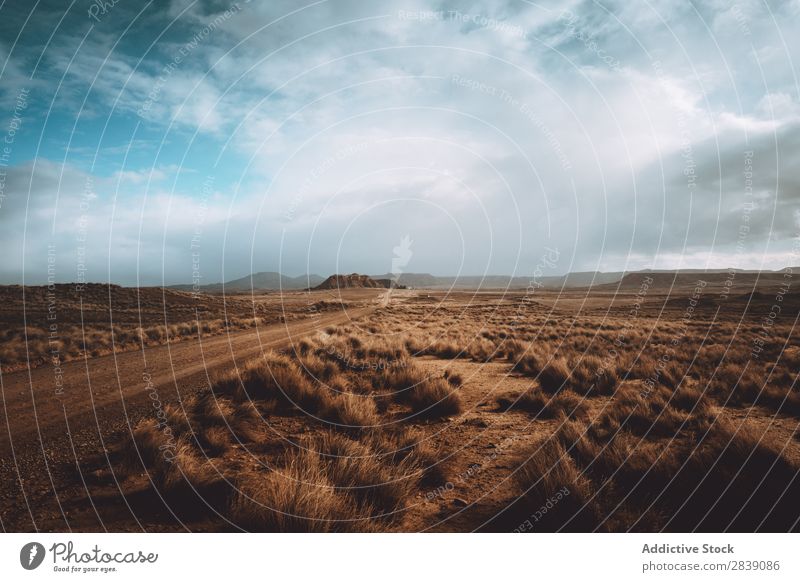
(500, 113)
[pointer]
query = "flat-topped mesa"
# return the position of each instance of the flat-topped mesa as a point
(354, 281)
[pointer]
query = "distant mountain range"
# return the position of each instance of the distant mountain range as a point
(267, 280)
(577, 279)
(271, 280)
(688, 278)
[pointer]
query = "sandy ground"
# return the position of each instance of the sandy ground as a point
(486, 444)
(54, 420)
(55, 475)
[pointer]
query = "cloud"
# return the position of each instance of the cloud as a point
(117, 233)
(484, 131)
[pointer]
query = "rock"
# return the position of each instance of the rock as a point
(354, 281)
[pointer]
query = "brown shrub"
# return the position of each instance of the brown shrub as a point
(433, 398)
(351, 411)
(553, 495)
(482, 350)
(454, 380)
(274, 378)
(543, 405)
(689, 398)
(189, 481)
(730, 480)
(447, 350)
(316, 368)
(217, 438)
(428, 397)
(299, 498)
(554, 375)
(529, 364)
(332, 483)
(590, 375)
(514, 349)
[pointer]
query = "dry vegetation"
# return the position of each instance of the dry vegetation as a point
(30, 343)
(460, 413)
(357, 468)
(66, 322)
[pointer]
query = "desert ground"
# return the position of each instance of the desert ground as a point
(646, 405)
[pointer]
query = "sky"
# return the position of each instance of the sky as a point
(149, 143)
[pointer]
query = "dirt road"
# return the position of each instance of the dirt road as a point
(54, 418)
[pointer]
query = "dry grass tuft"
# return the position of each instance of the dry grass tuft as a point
(333, 483)
(553, 493)
(554, 375)
(565, 402)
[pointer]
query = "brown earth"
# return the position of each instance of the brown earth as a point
(454, 411)
(55, 416)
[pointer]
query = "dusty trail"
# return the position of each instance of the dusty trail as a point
(484, 445)
(53, 421)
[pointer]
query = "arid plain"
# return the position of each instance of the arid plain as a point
(658, 403)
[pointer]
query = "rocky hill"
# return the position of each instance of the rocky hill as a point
(353, 281)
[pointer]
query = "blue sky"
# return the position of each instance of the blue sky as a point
(146, 141)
